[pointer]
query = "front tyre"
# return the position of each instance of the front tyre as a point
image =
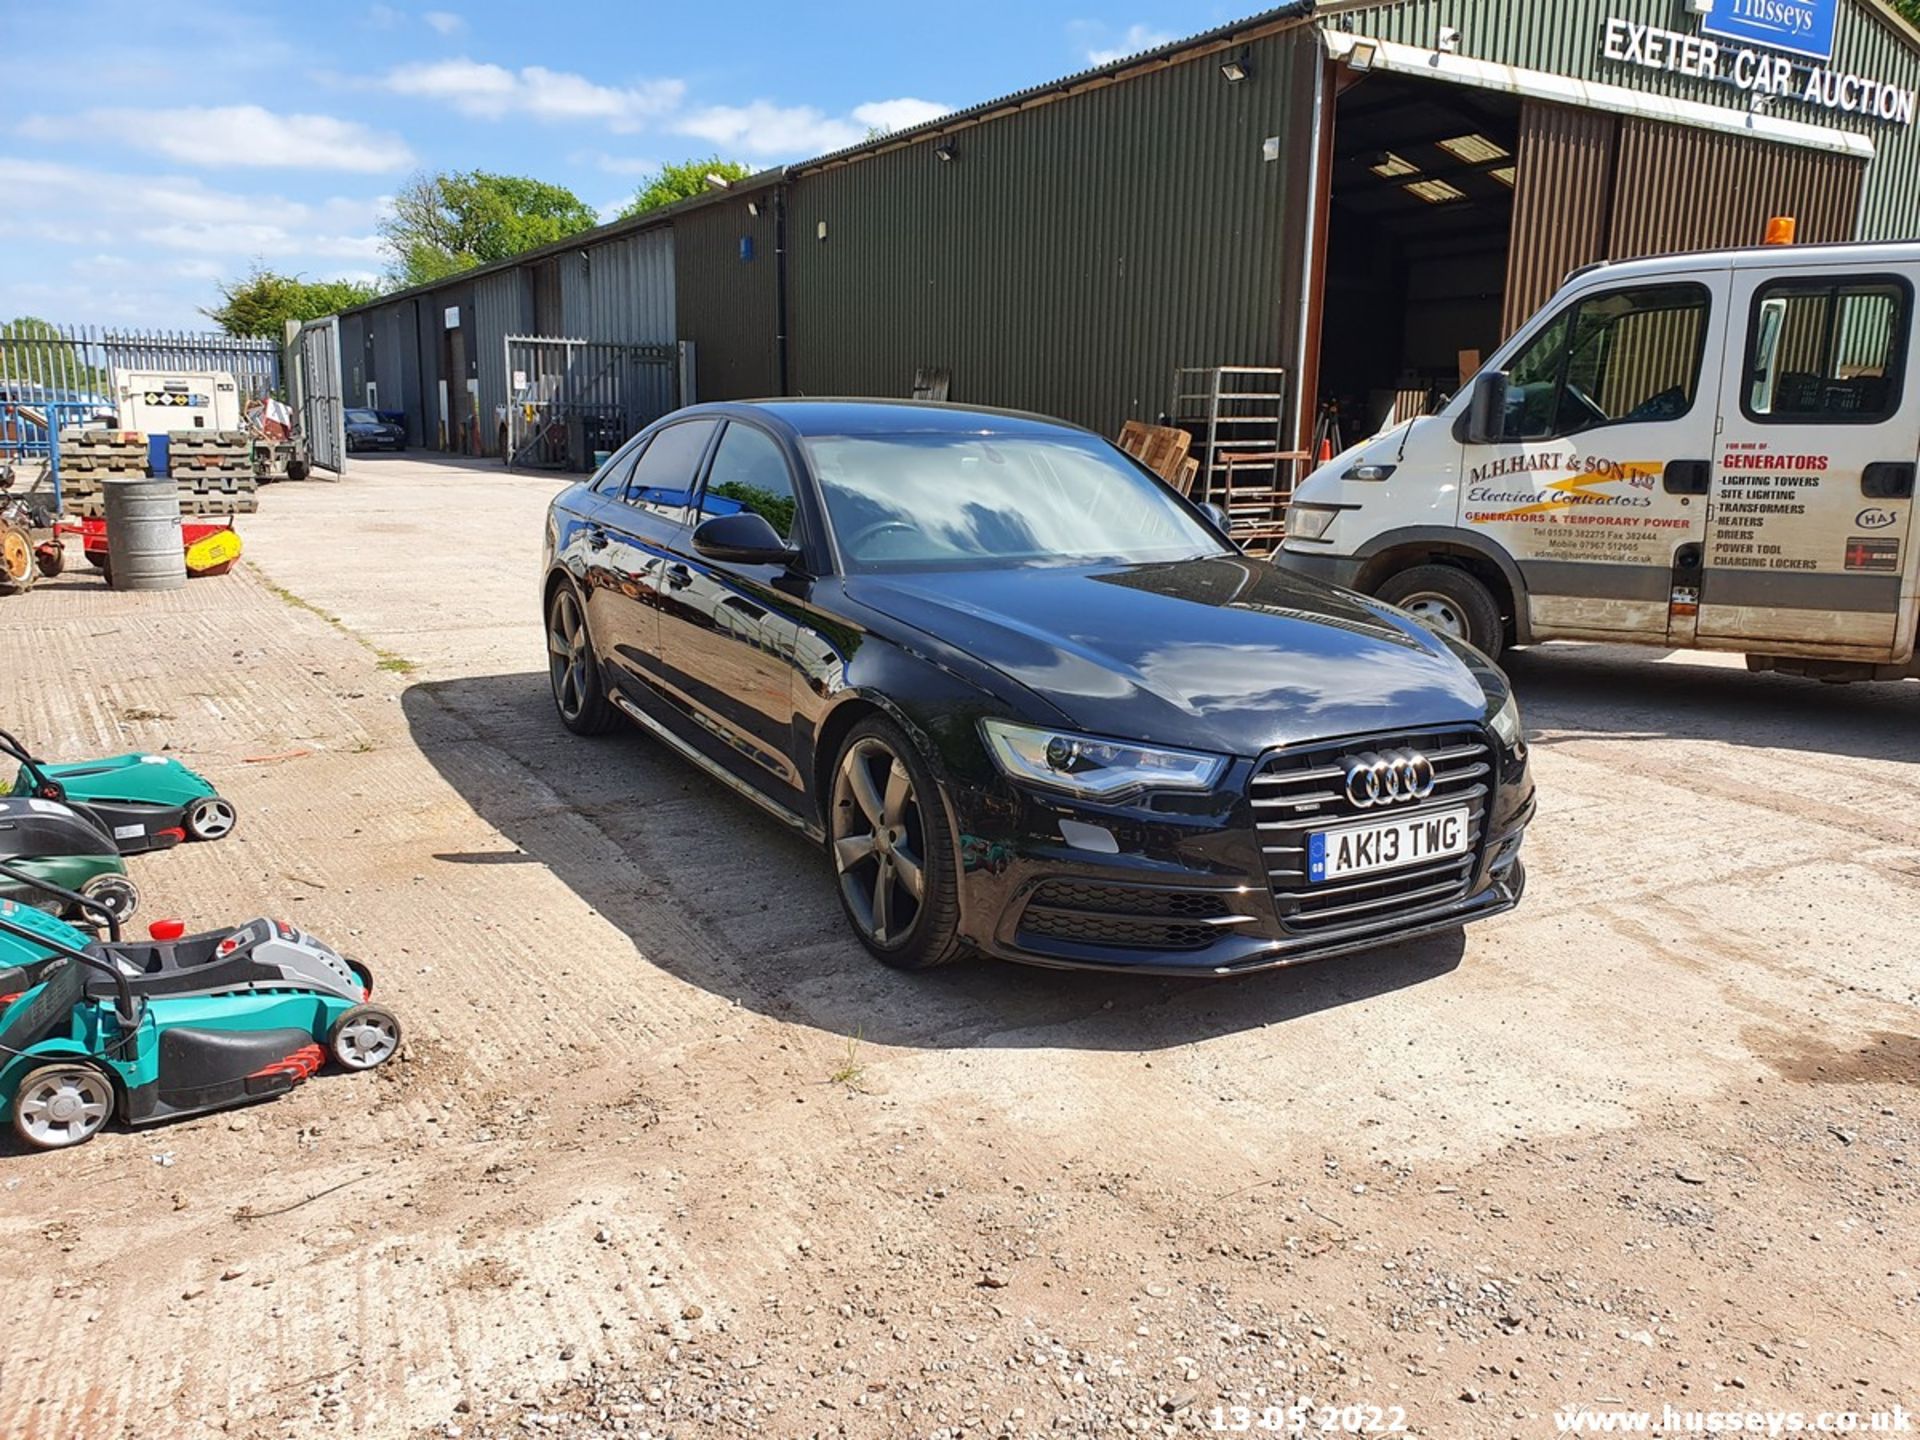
(573, 668)
(211, 818)
(1449, 601)
(892, 851)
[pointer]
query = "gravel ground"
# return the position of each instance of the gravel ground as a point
(667, 1155)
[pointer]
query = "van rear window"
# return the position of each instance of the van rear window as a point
(1826, 351)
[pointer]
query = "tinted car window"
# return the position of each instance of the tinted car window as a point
(611, 478)
(901, 501)
(362, 417)
(749, 472)
(663, 480)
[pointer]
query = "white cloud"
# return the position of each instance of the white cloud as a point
(227, 135)
(1136, 39)
(764, 129)
(492, 92)
(185, 216)
(901, 114)
(445, 21)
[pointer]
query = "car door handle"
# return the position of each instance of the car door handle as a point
(1887, 480)
(678, 577)
(1687, 477)
(596, 538)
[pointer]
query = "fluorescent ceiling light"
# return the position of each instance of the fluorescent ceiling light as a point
(1435, 192)
(1474, 149)
(1390, 166)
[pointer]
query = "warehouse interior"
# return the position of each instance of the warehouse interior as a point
(1420, 222)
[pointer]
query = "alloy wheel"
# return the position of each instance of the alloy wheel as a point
(567, 657)
(879, 841)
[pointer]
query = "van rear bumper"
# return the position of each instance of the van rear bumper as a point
(1342, 570)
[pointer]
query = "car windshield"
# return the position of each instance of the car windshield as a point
(916, 501)
(362, 417)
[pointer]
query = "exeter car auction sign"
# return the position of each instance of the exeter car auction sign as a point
(1803, 26)
(1758, 72)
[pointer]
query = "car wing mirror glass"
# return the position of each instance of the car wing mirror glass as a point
(743, 539)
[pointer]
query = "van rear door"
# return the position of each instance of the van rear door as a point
(1813, 482)
(1597, 486)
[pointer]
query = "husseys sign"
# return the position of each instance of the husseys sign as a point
(1755, 71)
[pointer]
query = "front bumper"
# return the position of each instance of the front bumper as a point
(1329, 569)
(1192, 885)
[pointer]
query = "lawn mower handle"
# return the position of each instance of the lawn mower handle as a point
(11, 746)
(123, 993)
(72, 897)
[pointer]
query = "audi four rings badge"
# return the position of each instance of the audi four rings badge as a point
(1395, 778)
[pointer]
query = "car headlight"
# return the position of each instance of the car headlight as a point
(1097, 769)
(1309, 522)
(1506, 723)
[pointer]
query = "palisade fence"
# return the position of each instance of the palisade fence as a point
(70, 368)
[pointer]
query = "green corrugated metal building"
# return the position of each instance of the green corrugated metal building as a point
(1365, 195)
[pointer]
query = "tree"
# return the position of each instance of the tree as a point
(56, 368)
(1909, 8)
(452, 220)
(683, 182)
(261, 302)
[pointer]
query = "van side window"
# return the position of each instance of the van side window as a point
(1826, 351)
(1619, 357)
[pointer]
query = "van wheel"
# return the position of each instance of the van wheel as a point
(1448, 601)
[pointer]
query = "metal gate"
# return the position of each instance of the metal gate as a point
(318, 398)
(570, 400)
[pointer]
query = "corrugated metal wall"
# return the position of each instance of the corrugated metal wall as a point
(1734, 184)
(1070, 255)
(502, 306)
(728, 301)
(353, 357)
(1561, 199)
(620, 289)
(1564, 37)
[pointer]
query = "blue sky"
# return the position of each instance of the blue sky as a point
(147, 152)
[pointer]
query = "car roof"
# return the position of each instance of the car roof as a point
(871, 416)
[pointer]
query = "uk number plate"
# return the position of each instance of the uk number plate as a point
(1386, 844)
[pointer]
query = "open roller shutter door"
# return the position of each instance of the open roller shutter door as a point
(1683, 189)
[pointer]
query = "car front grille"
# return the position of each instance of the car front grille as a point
(1127, 917)
(1298, 791)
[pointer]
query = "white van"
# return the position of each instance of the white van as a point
(1713, 450)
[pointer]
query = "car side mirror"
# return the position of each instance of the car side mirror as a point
(1222, 521)
(745, 538)
(1487, 409)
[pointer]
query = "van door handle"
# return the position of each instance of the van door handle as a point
(1687, 477)
(678, 577)
(596, 538)
(1887, 480)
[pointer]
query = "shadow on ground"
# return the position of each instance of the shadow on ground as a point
(1625, 694)
(717, 893)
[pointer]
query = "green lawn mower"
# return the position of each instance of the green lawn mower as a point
(145, 802)
(178, 1026)
(59, 859)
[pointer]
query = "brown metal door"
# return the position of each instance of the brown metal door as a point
(1679, 188)
(1563, 194)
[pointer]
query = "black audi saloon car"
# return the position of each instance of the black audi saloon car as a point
(1031, 701)
(370, 430)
